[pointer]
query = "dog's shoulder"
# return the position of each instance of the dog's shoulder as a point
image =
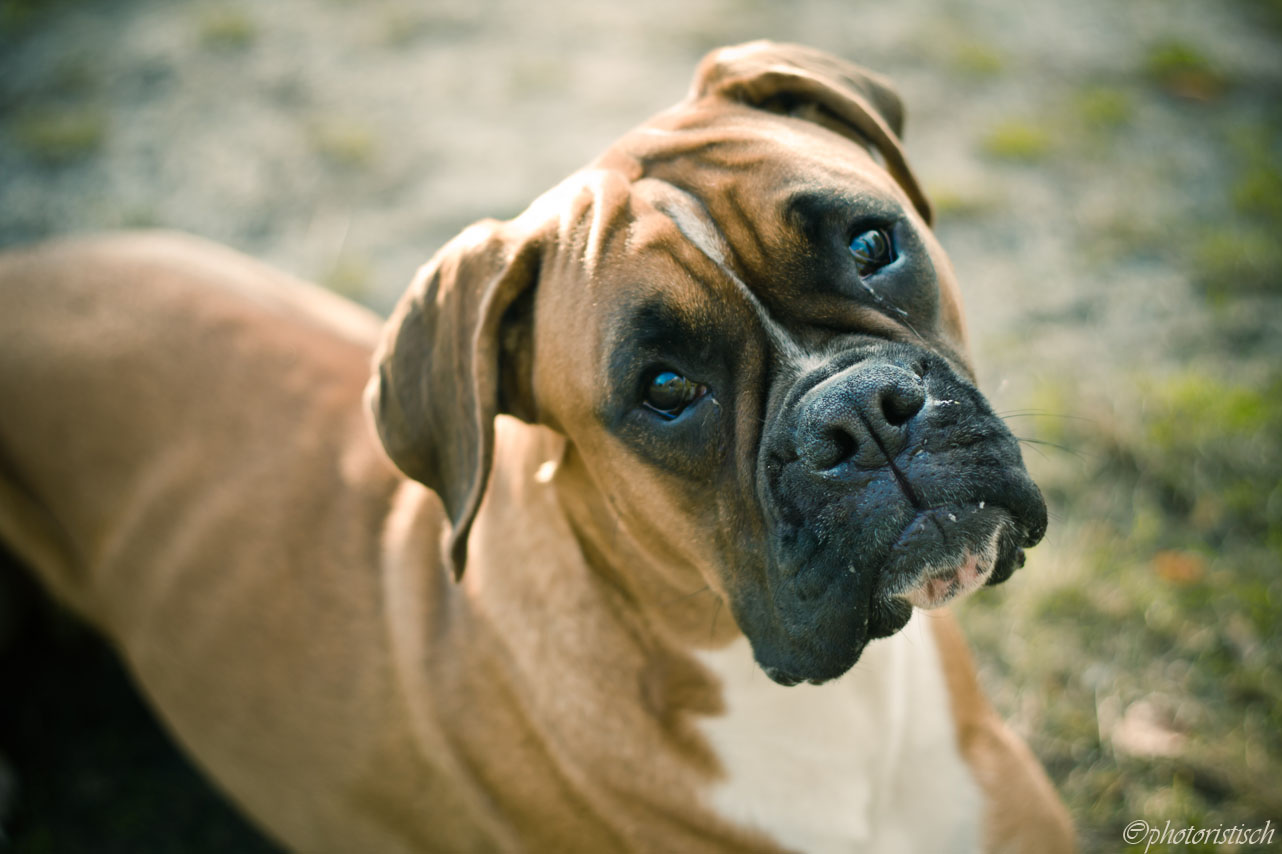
(134, 266)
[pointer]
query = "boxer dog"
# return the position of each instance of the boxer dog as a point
(670, 466)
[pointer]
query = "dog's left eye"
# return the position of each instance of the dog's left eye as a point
(668, 393)
(872, 250)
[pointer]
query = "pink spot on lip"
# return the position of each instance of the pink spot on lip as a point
(937, 589)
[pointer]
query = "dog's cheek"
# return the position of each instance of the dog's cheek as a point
(950, 319)
(805, 621)
(810, 639)
(849, 521)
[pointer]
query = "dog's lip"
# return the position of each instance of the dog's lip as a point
(965, 565)
(941, 585)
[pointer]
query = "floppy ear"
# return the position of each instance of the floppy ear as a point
(807, 83)
(454, 354)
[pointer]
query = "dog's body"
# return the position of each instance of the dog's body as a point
(185, 460)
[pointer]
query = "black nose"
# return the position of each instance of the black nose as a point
(860, 415)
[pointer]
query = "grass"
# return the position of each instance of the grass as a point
(1258, 191)
(956, 203)
(1155, 614)
(1267, 12)
(16, 15)
(349, 277)
(1017, 140)
(977, 59)
(1242, 254)
(225, 28)
(58, 136)
(1154, 687)
(1182, 69)
(401, 27)
(1103, 108)
(1235, 260)
(343, 142)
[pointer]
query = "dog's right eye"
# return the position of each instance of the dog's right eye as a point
(668, 393)
(872, 250)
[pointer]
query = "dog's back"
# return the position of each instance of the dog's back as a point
(175, 423)
(119, 357)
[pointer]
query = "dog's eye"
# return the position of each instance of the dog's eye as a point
(668, 393)
(872, 250)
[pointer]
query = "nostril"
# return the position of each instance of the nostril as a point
(841, 445)
(826, 448)
(901, 401)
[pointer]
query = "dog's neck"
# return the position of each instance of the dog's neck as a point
(657, 580)
(874, 739)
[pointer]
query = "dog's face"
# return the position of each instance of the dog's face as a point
(745, 328)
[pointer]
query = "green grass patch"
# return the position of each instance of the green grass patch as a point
(1017, 141)
(1158, 590)
(401, 27)
(139, 217)
(344, 142)
(17, 15)
(977, 59)
(74, 77)
(1257, 192)
(1211, 439)
(1230, 261)
(1182, 69)
(1267, 12)
(951, 203)
(61, 136)
(226, 28)
(349, 277)
(1103, 108)
(1242, 254)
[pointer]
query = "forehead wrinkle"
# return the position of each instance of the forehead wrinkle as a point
(587, 207)
(731, 136)
(610, 203)
(688, 213)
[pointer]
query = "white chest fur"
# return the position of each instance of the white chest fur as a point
(868, 762)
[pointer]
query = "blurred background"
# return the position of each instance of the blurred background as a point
(1108, 179)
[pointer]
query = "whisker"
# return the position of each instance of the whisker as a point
(712, 632)
(1037, 444)
(704, 589)
(1056, 445)
(1038, 413)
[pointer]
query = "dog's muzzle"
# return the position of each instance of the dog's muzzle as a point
(889, 483)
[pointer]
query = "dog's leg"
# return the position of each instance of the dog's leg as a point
(1022, 811)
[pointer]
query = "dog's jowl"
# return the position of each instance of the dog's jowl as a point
(624, 542)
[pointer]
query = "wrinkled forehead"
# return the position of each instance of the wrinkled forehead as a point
(641, 263)
(779, 199)
(718, 215)
(755, 163)
(677, 281)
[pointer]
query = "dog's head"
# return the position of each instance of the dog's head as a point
(741, 322)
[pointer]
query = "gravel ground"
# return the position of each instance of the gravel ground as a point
(1106, 177)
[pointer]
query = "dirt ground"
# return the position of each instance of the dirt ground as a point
(1108, 185)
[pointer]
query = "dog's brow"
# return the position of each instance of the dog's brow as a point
(813, 209)
(690, 216)
(663, 325)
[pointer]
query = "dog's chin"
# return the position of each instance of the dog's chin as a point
(942, 556)
(827, 655)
